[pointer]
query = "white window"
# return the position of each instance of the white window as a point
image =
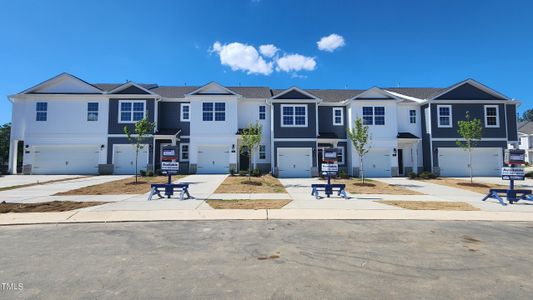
(214, 111)
(340, 155)
(184, 152)
(262, 152)
(294, 115)
(373, 115)
(412, 116)
(262, 112)
(185, 115)
(92, 111)
(131, 111)
(492, 118)
(444, 114)
(338, 116)
(41, 111)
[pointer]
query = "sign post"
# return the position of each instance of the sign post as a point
(329, 168)
(169, 166)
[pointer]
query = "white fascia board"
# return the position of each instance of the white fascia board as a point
(209, 84)
(341, 103)
(127, 85)
(445, 101)
(56, 96)
(295, 88)
(402, 96)
(212, 97)
(128, 96)
(60, 77)
(295, 101)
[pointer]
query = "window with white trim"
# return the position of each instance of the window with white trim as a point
(262, 112)
(92, 111)
(412, 116)
(184, 152)
(492, 119)
(338, 116)
(293, 115)
(131, 111)
(262, 152)
(185, 115)
(444, 116)
(214, 111)
(340, 155)
(41, 111)
(373, 115)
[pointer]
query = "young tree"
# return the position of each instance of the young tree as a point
(471, 131)
(251, 139)
(360, 138)
(142, 128)
(5, 131)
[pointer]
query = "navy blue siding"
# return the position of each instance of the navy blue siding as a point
(118, 128)
(325, 121)
(295, 132)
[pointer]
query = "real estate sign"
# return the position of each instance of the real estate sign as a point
(170, 167)
(509, 173)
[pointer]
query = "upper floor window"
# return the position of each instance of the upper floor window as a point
(373, 115)
(492, 116)
(131, 111)
(338, 116)
(444, 114)
(294, 115)
(92, 111)
(185, 112)
(262, 152)
(412, 116)
(41, 111)
(184, 152)
(262, 112)
(214, 111)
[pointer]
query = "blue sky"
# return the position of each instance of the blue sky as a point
(386, 43)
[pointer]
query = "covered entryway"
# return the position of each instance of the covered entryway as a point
(213, 159)
(295, 162)
(485, 162)
(64, 159)
(124, 159)
(377, 163)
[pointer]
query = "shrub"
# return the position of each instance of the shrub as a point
(427, 175)
(343, 174)
(411, 175)
(150, 173)
(142, 173)
(529, 174)
(256, 172)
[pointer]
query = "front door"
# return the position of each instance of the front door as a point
(400, 162)
(244, 159)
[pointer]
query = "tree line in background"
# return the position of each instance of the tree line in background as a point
(526, 116)
(5, 132)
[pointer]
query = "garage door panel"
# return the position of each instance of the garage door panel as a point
(213, 160)
(485, 162)
(65, 159)
(124, 159)
(376, 163)
(295, 162)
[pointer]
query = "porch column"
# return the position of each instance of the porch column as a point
(12, 160)
(414, 148)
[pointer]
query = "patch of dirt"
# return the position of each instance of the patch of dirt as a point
(356, 186)
(241, 184)
(248, 204)
(431, 205)
(122, 186)
(53, 206)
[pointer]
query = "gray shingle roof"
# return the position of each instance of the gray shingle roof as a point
(525, 127)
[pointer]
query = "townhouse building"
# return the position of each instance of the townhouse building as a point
(66, 125)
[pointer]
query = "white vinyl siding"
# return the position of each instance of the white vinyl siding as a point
(492, 116)
(444, 116)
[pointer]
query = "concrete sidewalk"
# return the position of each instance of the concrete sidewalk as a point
(202, 186)
(16, 180)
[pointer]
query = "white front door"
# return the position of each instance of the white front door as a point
(295, 162)
(124, 159)
(213, 159)
(485, 162)
(376, 163)
(65, 159)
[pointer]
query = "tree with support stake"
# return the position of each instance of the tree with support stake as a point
(251, 139)
(360, 138)
(142, 128)
(471, 131)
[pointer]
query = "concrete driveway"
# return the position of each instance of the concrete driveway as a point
(285, 259)
(14, 180)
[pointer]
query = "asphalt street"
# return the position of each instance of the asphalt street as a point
(268, 260)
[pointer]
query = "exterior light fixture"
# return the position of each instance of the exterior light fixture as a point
(394, 152)
(232, 148)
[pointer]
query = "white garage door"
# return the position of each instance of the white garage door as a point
(485, 161)
(124, 159)
(295, 162)
(65, 159)
(213, 160)
(376, 163)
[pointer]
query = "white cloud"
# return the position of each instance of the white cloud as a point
(295, 62)
(330, 43)
(268, 50)
(242, 57)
